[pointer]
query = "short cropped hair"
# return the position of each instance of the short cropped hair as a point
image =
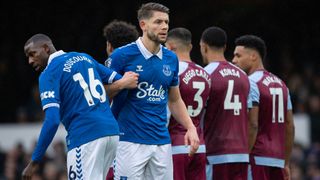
(214, 37)
(181, 34)
(253, 42)
(120, 33)
(146, 10)
(38, 38)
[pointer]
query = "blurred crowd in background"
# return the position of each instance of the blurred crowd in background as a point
(290, 29)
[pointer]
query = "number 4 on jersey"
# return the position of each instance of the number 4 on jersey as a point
(236, 105)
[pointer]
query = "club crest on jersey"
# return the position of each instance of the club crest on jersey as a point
(166, 70)
(139, 68)
(107, 63)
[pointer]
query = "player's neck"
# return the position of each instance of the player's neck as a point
(183, 56)
(215, 57)
(151, 46)
(256, 67)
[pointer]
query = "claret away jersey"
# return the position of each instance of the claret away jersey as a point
(226, 119)
(274, 102)
(194, 89)
(143, 116)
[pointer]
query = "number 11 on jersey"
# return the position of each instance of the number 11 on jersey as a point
(277, 92)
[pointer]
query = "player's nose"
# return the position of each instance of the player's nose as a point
(234, 61)
(30, 60)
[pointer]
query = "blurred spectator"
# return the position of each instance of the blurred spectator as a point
(2, 163)
(59, 157)
(296, 172)
(314, 113)
(51, 171)
(14, 163)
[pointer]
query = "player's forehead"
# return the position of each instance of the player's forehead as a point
(158, 15)
(31, 47)
(241, 50)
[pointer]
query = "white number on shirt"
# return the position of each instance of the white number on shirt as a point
(236, 105)
(277, 92)
(90, 91)
(197, 97)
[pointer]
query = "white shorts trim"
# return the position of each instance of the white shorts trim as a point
(143, 162)
(93, 159)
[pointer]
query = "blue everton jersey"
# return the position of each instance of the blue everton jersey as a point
(74, 82)
(143, 116)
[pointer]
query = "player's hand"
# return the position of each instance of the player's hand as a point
(191, 138)
(287, 174)
(130, 80)
(29, 170)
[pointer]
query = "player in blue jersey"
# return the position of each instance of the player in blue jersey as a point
(144, 150)
(72, 91)
(118, 33)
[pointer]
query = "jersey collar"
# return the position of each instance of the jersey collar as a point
(144, 51)
(55, 54)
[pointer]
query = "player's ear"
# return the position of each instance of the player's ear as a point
(169, 45)
(142, 25)
(46, 48)
(205, 48)
(254, 56)
(190, 47)
(109, 48)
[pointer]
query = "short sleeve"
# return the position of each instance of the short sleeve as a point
(107, 75)
(289, 106)
(175, 79)
(49, 88)
(116, 61)
(254, 94)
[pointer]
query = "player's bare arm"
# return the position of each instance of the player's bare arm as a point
(289, 141)
(253, 116)
(179, 112)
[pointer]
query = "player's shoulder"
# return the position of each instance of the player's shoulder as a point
(211, 67)
(127, 49)
(237, 68)
(256, 76)
(55, 61)
(277, 78)
(183, 66)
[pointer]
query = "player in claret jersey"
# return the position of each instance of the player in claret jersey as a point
(226, 121)
(271, 113)
(194, 88)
